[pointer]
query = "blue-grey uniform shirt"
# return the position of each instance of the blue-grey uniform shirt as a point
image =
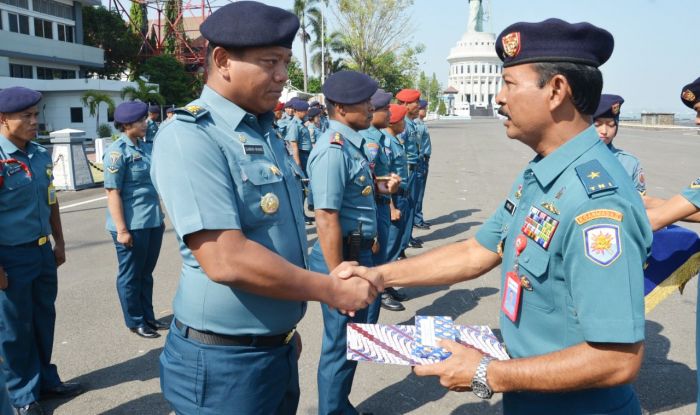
(297, 131)
(692, 193)
(218, 167)
(127, 168)
(282, 124)
(410, 139)
(632, 166)
(314, 132)
(426, 148)
(324, 123)
(588, 237)
(397, 158)
(341, 179)
(151, 130)
(374, 151)
(24, 195)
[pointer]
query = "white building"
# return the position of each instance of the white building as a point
(41, 47)
(475, 72)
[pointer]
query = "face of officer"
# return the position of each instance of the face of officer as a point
(300, 114)
(380, 117)
(398, 127)
(413, 109)
(422, 113)
(153, 116)
(252, 78)
(607, 129)
(20, 127)
(136, 129)
(356, 116)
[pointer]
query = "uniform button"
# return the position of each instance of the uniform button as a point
(526, 259)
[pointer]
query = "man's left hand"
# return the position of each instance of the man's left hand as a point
(457, 371)
(59, 253)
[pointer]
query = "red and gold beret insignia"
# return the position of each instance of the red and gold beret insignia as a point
(615, 108)
(688, 95)
(511, 44)
(336, 138)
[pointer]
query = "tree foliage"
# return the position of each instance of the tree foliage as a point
(138, 16)
(105, 29)
(434, 93)
(442, 108)
(296, 78)
(177, 86)
(173, 25)
(143, 92)
(92, 100)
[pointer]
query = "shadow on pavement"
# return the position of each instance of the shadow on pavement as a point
(153, 404)
(454, 303)
(481, 408)
(449, 231)
(663, 384)
(452, 217)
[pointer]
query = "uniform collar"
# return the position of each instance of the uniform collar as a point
(374, 133)
(128, 142)
(546, 169)
(9, 148)
(348, 133)
(231, 113)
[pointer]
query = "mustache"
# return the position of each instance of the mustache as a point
(502, 112)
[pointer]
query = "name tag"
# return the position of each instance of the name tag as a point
(509, 207)
(511, 296)
(253, 149)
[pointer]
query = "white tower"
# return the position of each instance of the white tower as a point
(475, 69)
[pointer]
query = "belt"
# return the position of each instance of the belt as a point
(38, 242)
(364, 244)
(214, 339)
(382, 200)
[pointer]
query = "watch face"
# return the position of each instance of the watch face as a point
(481, 390)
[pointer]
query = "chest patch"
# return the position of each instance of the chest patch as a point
(253, 149)
(509, 207)
(539, 227)
(602, 244)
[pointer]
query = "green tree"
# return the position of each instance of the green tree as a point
(423, 85)
(302, 8)
(176, 84)
(434, 93)
(106, 30)
(442, 108)
(92, 100)
(173, 25)
(143, 92)
(332, 46)
(296, 74)
(138, 16)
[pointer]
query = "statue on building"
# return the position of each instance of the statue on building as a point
(476, 16)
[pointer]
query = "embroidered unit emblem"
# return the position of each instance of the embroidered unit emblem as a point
(511, 44)
(602, 244)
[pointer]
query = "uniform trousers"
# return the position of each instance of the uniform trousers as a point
(5, 407)
(206, 379)
(397, 228)
(422, 182)
(135, 275)
(27, 321)
(408, 223)
(304, 159)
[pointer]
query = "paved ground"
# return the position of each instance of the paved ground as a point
(472, 167)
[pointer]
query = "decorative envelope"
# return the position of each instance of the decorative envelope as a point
(394, 344)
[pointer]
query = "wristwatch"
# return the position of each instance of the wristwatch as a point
(480, 386)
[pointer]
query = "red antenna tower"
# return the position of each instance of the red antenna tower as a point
(183, 29)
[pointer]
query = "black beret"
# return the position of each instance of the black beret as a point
(130, 111)
(609, 106)
(246, 24)
(17, 98)
(554, 40)
(381, 98)
(314, 111)
(349, 87)
(154, 108)
(422, 104)
(299, 105)
(690, 95)
(170, 110)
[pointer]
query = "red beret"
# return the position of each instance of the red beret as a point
(398, 112)
(408, 95)
(279, 106)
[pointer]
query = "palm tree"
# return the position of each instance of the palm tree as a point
(333, 44)
(144, 92)
(301, 9)
(92, 100)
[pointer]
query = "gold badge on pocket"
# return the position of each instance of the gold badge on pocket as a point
(269, 203)
(367, 191)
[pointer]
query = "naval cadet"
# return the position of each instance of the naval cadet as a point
(607, 122)
(297, 136)
(152, 124)
(287, 115)
(424, 160)
(314, 124)
(410, 99)
(346, 220)
(376, 143)
(29, 215)
(134, 218)
(398, 204)
(571, 237)
(225, 179)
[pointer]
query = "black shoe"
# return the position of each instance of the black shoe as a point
(418, 240)
(415, 244)
(390, 304)
(308, 220)
(63, 390)
(422, 226)
(402, 255)
(145, 331)
(157, 324)
(32, 409)
(395, 294)
(428, 224)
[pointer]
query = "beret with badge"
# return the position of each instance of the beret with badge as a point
(154, 109)
(609, 107)
(130, 111)
(17, 98)
(690, 95)
(398, 112)
(314, 111)
(238, 25)
(300, 105)
(408, 95)
(349, 87)
(554, 40)
(381, 99)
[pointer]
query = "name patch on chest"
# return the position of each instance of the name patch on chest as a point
(539, 227)
(253, 149)
(509, 207)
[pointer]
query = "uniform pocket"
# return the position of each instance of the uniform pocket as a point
(263, 191)
(15, 191)
(534, 263)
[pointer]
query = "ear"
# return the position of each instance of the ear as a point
(221, 62)
(340, 110)
(560, 91)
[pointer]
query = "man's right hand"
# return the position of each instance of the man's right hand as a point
(3, 279)
(395, 215)
(351, 294)
(125, 239)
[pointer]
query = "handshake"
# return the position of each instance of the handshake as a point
(353, 287)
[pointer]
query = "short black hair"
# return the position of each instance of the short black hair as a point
(210, 52)
(119, 126)
(586, 82)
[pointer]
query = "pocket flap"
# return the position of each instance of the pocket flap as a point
(534, 260)
(261, 173)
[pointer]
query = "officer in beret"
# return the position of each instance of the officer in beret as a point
(606, 120)
(299, 143)
(399, 203)
(235, 203)
(571, 238)
(279, 112)
(134, 218)
(169, 114)
(375, 146)
(424, 159)
(286, 118)
(314, 123)
(29, 214)
(346, 220)
(152, 125)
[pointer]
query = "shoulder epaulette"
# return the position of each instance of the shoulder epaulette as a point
(337, 138)
(190, 113)
(595, 178)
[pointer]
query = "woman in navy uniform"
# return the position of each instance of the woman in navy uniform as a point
(134, 218)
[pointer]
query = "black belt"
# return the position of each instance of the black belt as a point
(214, 339)
(382, 200)
(364, 244)
(38, 242)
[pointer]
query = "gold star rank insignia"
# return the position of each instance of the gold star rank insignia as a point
(594, 175)
(367, 191)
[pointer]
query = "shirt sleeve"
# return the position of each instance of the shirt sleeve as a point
(640, 180)
(692, 193)
(489, 235)
(327, 173)
(114, 170)
(292, 132)
(604, 248)
(192, 177)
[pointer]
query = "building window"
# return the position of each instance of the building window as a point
(18, 23)
(468, 68)
(43, 28)
(65, 32)
(22, 4)
(53, 8)
(52, 73)
(76, 114)
(21, 71)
